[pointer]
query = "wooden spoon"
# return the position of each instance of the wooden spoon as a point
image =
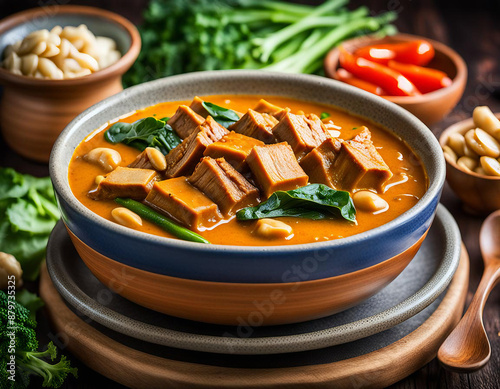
(467, 347)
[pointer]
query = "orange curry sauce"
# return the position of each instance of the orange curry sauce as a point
(402, 192)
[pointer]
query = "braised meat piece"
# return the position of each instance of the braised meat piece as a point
(125, 182)
(234, 148)
(182, 159)
(302, 133)
(141, 162)
(359, 165)
(264, 106)
(185, 121)
(197, 106)
(276, 168)
(224, 185)
(255, 125)
(181, 201)
(319, 163)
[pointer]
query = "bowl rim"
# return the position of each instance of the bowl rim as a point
(459, 80)
(462, 126)
(64, 190)
(120, 66)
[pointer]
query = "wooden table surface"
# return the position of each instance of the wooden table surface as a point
(474, 32)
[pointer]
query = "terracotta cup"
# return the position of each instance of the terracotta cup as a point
(34, 111)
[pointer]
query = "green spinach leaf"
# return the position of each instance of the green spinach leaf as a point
(315, 201)
(324, 115)
(147, 132)
(224, 116)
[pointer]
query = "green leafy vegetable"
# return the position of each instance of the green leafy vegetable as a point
(324, 115)
(30, 301)
(161, 220)
(315, 201)
(147, 132)
(224, 116)
(180, 36)
(16, 326)
(28, 213)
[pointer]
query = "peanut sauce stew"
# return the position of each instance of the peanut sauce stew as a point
(401, 191)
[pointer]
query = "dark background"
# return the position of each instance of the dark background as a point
(472, 28)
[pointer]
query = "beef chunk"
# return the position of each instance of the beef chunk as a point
(142, 162)
(197, 106)
(181, 201)
(264, 106)
(359, 165)
(319, 163)
(185, 121)
(275, 168)
(182, 159)
(256, 125)
(224, 185)
(302, 133)
(125, 182)
(234, 148)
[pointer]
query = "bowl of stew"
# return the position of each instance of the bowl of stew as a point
(313, 194)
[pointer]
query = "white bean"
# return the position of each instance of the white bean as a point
(49, 69)
(39, 48)
(126, 217)
(273, 229)
(369, 202)
(156, 158)
(51, 51)
(29, 64)
(489, 144)
(9, 266)
(105, 157)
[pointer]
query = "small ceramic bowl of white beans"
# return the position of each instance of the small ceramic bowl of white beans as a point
(472, 153)
(55, 62)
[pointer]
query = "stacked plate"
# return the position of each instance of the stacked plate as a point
(386, 317)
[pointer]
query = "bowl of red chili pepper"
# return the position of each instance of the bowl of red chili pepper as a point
(423, 76)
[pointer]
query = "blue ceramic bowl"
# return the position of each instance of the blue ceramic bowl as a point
(233, 264)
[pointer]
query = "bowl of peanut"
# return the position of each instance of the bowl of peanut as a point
(472, 153)
(55, 62)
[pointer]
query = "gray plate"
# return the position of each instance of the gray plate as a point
(417, 286)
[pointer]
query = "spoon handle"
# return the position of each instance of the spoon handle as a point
(467, 348)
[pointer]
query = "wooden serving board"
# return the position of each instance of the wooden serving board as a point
(139, 369)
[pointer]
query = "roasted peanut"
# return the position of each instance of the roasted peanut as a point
(9, 266)
(490, 165)
(369, 202)
(467, 163)
(457, 143)
(273, 229)
(156, 158)
(126, 217)
(105, 157)
(485, 119)
(482, 143)
(449, 153)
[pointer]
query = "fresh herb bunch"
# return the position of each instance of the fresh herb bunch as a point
(15, 323)
(181, 36)
(28, 213)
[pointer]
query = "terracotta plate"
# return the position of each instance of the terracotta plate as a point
(418, 285)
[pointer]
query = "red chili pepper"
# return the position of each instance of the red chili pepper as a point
(390, 80)
(348, 78)
(425, 79)
(418, 52)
